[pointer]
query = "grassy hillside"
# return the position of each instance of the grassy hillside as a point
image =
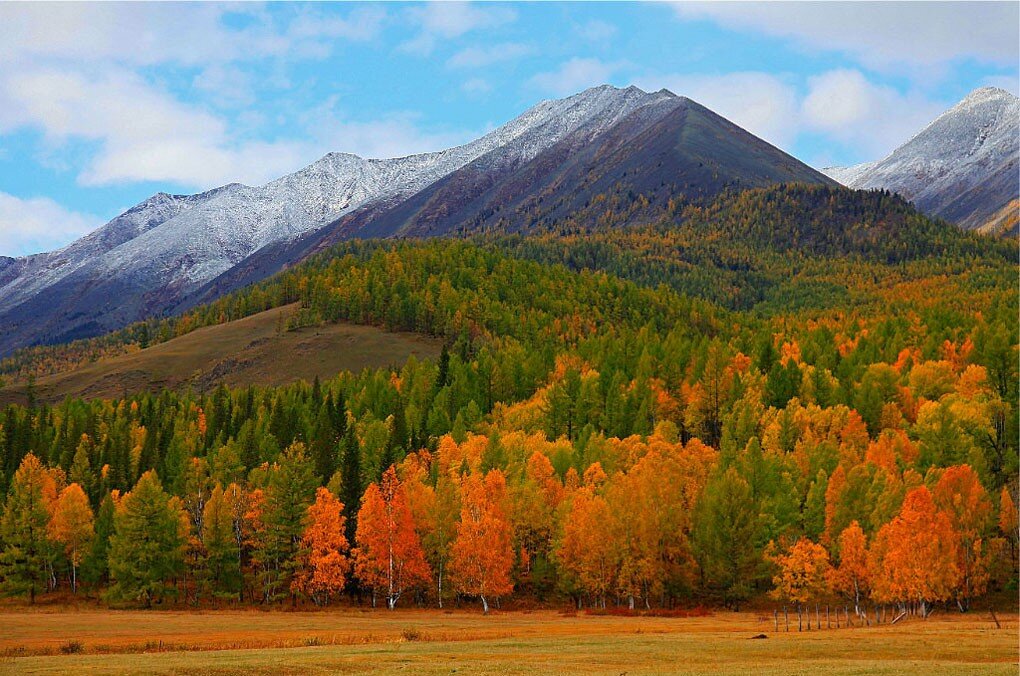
(253, 350)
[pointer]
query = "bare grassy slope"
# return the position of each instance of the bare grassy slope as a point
(252, 350)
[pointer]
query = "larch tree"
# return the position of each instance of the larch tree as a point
(961, 496)
(72, 526)
(483, 553)
(222, 558)
(24, 533)
(146, 549)
(389, 555)
(851, 578)
(324, 563)
(914, 557)
(727, 538)
(290, 490)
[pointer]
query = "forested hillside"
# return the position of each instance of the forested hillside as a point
(746, 402)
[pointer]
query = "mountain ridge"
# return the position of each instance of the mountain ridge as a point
(964, 166)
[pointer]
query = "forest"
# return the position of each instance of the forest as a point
(642, 417)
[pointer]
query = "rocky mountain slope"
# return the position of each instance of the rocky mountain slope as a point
(170, 251)
(963, 167)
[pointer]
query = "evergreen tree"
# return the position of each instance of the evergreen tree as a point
(147, 547)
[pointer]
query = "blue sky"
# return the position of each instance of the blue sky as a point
(103, 104)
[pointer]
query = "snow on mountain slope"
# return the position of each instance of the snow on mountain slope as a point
(962, 167)
(169, 245)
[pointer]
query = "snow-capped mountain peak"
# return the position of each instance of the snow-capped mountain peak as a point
(963, 166)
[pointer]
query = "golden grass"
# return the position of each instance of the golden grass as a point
(429, 641)
(247, 351)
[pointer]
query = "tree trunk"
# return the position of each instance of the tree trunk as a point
(485, 606)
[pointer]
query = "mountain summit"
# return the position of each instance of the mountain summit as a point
(963, 167)
(551, 159)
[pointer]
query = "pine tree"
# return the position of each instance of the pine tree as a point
(350, 479)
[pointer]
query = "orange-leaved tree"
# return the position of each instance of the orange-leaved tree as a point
(586, 551)
(850, 578)
(961, 496)
(323, 563)
(482, 553)
(914, 556)
(72, 525)
(802, 574)
(389, 555)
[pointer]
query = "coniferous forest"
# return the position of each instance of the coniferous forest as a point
(798, 394)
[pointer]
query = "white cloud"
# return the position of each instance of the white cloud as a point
(38, 224)
(574, 75)
(761, 103)
(841, 105)
(596, 31)
(476, 85)
(1010, 84)
(884, 35)
(846, 106)
(192, 34)
(448, 20)
(225, 85)
(478, 57)
(141, 132)
(394, 135)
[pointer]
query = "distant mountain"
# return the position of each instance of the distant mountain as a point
(963, 167)
(172, 251)
(669, 148)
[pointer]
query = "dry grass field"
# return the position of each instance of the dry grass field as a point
(239, 353)
(437, 642)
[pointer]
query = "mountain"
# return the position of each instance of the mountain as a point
(963, 167)
(172, 251)
(670, 148)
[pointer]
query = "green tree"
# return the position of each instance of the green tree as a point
(23, 530)
(727, 538)
(147, 546)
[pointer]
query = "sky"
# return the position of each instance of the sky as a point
(102, 105)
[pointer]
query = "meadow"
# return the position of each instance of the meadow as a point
(461, 641)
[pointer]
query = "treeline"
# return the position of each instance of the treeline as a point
(708, 443)
(673, 523)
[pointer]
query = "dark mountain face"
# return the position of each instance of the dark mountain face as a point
(674, 149)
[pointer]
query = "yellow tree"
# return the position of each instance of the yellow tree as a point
(389, 555)
(914, 556)
(322, 556)
(850, 578)
(482, 553)
(72, 526)
(802, 575)
(961, 496)
(587, 549)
